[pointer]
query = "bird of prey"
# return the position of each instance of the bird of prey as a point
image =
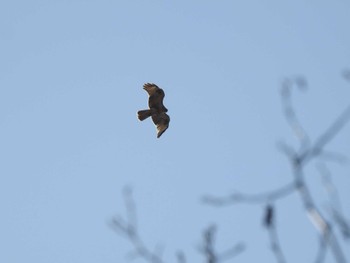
(156, 108)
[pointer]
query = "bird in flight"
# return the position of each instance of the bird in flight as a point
(156, 108)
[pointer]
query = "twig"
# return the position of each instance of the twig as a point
(209, 251)
(251, 198)
(208, 247)
(128, 229)
(289, 111)
(322, 249)
(299, 159)
(327, 136)
(335, 205)
(269, 222)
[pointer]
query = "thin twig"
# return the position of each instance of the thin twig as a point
(299, 161)
(322, 249)
(327, 136)
(232, 252)
(208, 245)
(209, 251)
(335, 204)
(128, 228)
(265, 197)
(289, 111)
(270, 224)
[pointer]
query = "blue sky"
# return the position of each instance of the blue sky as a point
(71, 83)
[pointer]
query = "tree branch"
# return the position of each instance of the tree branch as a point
(251, 198)
(209, 251)
(128, 229)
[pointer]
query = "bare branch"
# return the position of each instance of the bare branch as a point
(298, 160)
(334, 157)
(269, 222)
(342, 223)
(232, 252)
(275, 244)
(299, 130)
(313, 212)
(327, 136)
(286, 149)
(209, 251)
(335, 247)
(251, 198)
(322, 249)
(330, 188)
(335, 205)
(208, 247)
(289, 111)
(130, 207)
(128, 229)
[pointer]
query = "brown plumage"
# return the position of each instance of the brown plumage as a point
(156, 108)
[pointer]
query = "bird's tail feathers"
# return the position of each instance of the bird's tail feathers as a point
(143, 114)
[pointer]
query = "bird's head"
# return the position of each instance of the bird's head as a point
(150, 88)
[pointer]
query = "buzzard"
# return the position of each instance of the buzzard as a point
(156, 108)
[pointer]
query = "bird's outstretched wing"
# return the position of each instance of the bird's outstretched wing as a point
(156, 96)
(161, 121)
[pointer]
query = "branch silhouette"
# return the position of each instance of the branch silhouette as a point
(237, 197)
(209, 251)
(128, 228)
(307, 152)
(269, 222)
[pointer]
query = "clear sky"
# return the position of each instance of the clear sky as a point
(71, 76)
